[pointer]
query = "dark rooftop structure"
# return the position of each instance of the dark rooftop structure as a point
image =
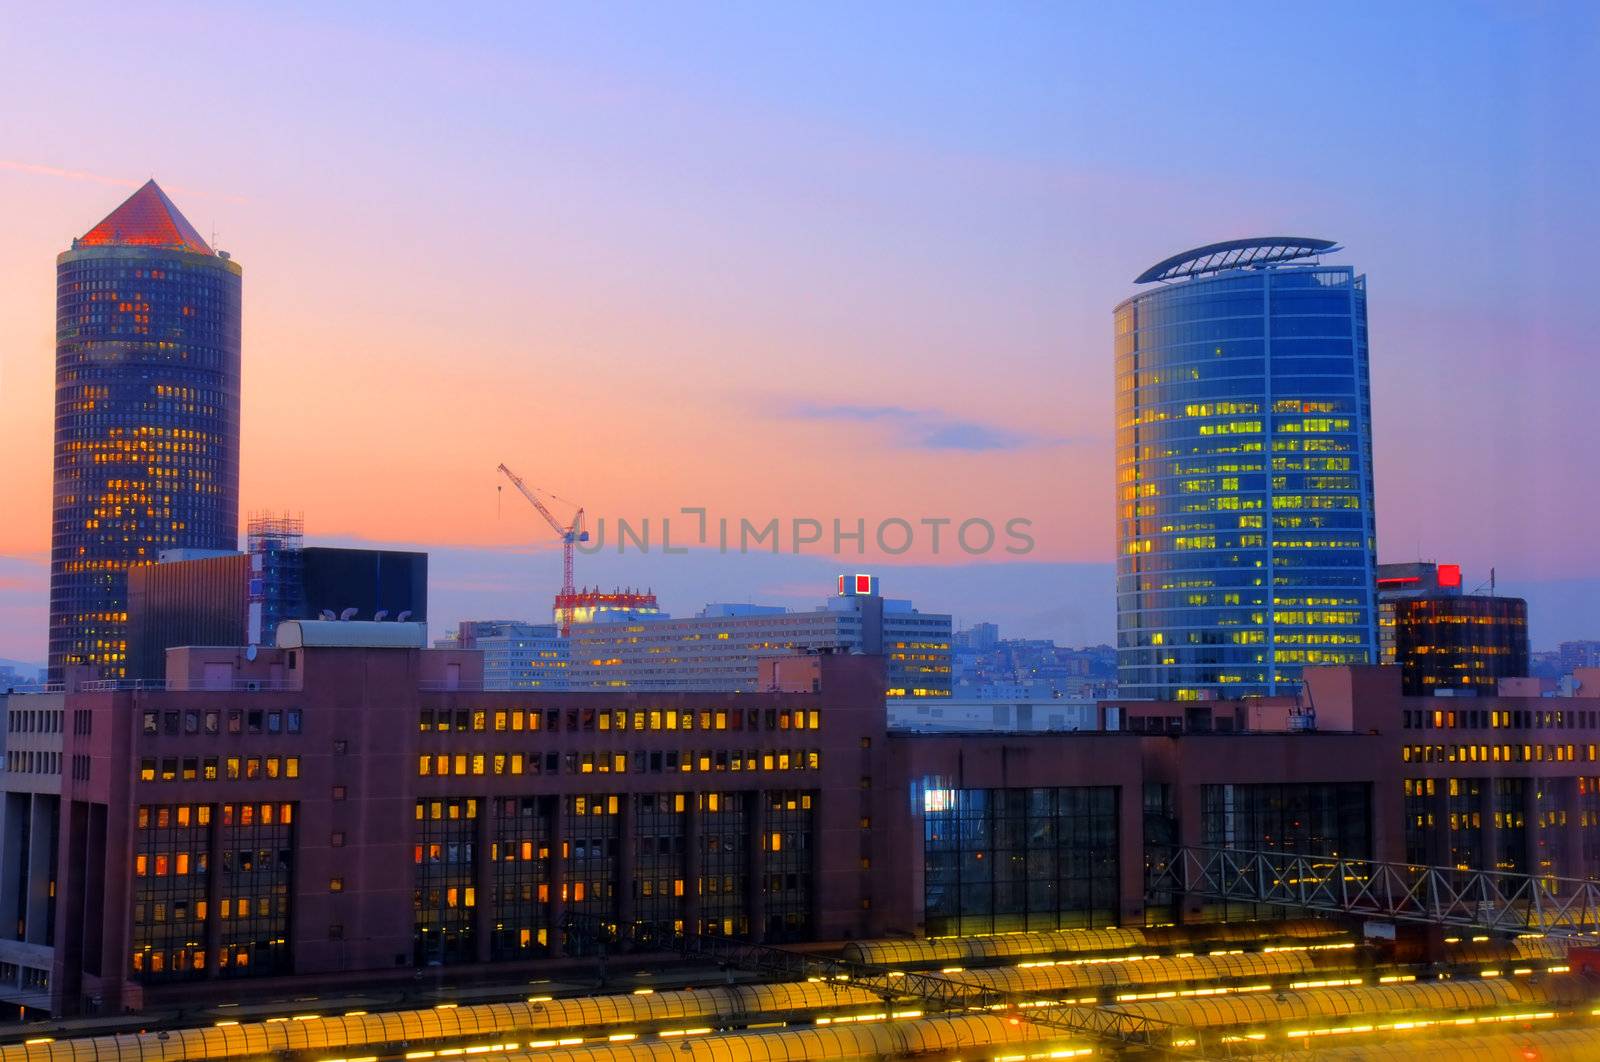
(1235, 254)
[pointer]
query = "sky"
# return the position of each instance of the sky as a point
(814, 261)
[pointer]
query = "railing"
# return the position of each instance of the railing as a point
(115, 685)
(1480, 899)
(233, 685)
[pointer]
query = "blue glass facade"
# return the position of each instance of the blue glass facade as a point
(1244, 482)
(146, 431)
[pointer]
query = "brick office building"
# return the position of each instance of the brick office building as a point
(351, 802)
(351, 805)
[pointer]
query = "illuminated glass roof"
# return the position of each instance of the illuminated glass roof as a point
(146, 218)
(1235, 254)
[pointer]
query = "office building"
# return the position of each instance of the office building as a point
(1402, 582)
(1447, 641)
(1244, 471)
(225, 598)
(1465, 643)
(343, 804)
(147, 417)
(187, 601)
(516, 655)
(721, 648)
(364, 584)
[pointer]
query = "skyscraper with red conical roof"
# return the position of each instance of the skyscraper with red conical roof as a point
(147, 417)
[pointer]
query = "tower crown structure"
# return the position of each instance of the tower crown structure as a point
(147, 218)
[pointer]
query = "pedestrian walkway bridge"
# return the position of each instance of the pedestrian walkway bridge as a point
(1487, 900)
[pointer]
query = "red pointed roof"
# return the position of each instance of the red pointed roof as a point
(146, 218)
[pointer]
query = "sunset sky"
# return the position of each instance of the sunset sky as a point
(814, 261)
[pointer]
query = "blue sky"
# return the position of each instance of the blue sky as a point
(676, 254)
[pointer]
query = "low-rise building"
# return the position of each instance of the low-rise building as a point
(721, 648)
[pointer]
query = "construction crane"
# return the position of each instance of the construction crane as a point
(571, 534)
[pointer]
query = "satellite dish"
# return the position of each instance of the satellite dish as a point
(347, 613)
(377, 617)
(326, 614)
(403, 616)
(250, 652)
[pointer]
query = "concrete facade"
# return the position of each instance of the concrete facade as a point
(30, 788)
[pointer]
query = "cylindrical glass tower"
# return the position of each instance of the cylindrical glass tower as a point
(147, 417)
(1244, 472)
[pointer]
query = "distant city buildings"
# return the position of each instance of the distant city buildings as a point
(14, 678)
(147, 417)
(1244, 472)
(516, 655)
(978, 638)
(1571, 656)
(988, 667)
(721, 648)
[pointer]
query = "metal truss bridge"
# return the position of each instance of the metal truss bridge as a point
(1488, 900)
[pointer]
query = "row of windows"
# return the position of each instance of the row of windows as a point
(182, 816)
(28, 978)
(28, 761)
(205, 769)
(1524, 753)
(443, 765)
(33, 721)
(209, 721)
(1479, 719)
(1209, 329)
(589, 720)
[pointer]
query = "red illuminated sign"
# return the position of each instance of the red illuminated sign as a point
(1449, 575)
(863, 584)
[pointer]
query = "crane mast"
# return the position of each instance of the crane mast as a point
(570, 535)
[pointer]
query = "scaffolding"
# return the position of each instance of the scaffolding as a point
(276, 544)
